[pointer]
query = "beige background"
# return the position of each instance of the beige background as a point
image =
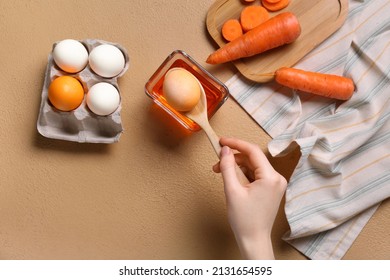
(153, 194)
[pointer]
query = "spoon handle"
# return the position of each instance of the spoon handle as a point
(213, 137)
(214, 140)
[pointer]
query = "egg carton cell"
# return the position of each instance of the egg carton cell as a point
(81, 124)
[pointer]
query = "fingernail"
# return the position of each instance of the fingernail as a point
(225, 151)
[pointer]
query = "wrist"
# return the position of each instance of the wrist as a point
(257, 248)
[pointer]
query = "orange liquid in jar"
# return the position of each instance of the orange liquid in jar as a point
(213, 94)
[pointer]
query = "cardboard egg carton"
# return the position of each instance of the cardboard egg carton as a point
(80, 125)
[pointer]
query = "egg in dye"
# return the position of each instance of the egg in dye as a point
(181, 89)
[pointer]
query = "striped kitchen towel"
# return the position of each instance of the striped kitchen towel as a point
(344, 171)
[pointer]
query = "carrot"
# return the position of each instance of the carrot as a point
(273, 1)
(248, 1)
(275, 6)
(252, 16)
(231, 29)
(279, 30)
(327, 85)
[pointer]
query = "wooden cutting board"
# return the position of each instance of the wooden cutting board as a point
(318, 19)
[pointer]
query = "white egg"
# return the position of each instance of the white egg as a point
(103, 99)
(106, 60)
(70, 55)
(181, 89)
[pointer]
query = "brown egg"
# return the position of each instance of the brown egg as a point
(181, 89)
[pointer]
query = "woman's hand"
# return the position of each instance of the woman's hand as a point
(252, 208)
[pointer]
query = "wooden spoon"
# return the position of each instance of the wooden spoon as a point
(199, 115)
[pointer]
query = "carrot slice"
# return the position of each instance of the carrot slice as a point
(272, 1)
(327, 85)
(273, 7)
(279, 30)
(248, 1)
(231, 29)
(253, 16)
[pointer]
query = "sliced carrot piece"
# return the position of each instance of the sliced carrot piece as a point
(273, 7)
(231, 29)
(253, 16)
(248, 1)
(272, 1)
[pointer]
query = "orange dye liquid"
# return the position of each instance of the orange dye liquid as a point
(213, 94)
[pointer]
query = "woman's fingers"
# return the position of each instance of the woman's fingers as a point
(253, 153)
(228, 169)
(240, 160)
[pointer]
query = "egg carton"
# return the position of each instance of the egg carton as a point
(80, 125)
